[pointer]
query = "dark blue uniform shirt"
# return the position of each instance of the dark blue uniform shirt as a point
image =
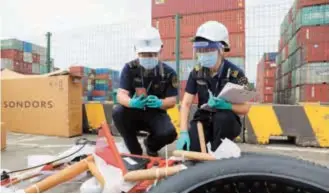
(228, 72)
(153, 82)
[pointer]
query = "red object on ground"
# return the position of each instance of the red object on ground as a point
(314, 93)
(12, 54)
(107, 150)
(234, 20)
(98, 93)
(165, 8)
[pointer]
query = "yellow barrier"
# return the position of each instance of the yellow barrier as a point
(309, 124)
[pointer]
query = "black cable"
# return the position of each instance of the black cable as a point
(80, 141)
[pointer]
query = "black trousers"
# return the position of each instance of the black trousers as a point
(216, 126)
(129, 121)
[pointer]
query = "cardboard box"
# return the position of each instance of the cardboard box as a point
(3, 137)
(48, 104)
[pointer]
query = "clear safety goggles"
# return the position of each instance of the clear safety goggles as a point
(205, 46)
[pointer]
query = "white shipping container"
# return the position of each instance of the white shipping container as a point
(28, 57)
(43, 59)
(35, 68)
(313, 73)
(7, 63)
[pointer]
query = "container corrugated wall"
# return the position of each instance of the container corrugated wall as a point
(304, 76)
(165, 8)
(25, 56)
(193, 14)
(266, 76)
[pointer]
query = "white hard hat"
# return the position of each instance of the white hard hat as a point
(148, 40)
(214, 31)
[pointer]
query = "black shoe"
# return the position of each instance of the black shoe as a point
(149, 152)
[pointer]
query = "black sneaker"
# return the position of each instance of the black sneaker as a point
(149, 152)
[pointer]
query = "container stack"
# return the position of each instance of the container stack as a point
(303, 60)
(193, 14)
(87, 80)
(103, 85)
(266, 70)
(23, 57)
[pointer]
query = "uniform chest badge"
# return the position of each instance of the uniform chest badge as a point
(174, 81)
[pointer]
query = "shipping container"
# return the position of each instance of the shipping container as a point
(165, 8)
(270, 56)
(99, 93)
(14, 55)
(315, 52)
(308, 35)
(35, 68)
(312, 16)
(298, 4)
(286, 66)
(314, 93)
(27, 68)
(233, 20)
(28, 57)
(268, 98)
(27, 47)
(7, 63)
(11, 44)
(311, 73)
(237, 43)
(35, 58)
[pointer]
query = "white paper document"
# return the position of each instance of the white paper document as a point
(233, 93)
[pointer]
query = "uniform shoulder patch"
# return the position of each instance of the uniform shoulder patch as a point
(235, 73)
(174, 81)
(197, 67)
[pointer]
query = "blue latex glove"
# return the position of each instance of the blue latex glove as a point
(153, 102)
(137, 102)
(183, 139)
(218, 103)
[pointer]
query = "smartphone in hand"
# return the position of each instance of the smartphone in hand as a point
(141, 91)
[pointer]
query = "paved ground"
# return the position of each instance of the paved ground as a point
(20, 146)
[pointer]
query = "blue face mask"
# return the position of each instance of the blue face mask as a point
(148, 63)
(208, 59)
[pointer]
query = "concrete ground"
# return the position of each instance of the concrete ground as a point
(20, 146)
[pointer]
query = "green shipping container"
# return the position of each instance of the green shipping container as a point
(286, 67)
(12, 44)
(312, 16)
(284, 25)
(292, 46)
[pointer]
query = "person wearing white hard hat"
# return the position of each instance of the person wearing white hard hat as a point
(148, 87)
(207, 80)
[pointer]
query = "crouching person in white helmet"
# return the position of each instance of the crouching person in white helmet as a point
(207, 80)
(148, 87)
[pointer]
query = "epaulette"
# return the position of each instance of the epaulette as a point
(133, 64)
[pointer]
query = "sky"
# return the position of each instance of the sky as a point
(99, 33)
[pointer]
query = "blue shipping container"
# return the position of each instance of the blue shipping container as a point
(100, 71)
(27, 47)
(272, 56)
(103, 87)
(99, 98)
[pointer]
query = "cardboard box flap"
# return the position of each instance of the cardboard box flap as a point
(7, 73)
